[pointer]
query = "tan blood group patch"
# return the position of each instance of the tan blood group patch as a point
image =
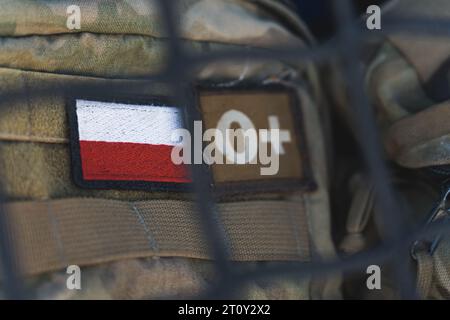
(261, 109)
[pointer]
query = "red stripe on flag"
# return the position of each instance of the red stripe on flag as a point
(122, 161)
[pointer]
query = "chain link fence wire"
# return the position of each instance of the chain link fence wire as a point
(345, 47)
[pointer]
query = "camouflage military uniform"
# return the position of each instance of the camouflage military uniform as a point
(407, 82)
(120, 44)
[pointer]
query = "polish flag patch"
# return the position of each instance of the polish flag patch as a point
(118, 144)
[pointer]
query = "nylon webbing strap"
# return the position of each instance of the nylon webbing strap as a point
(50, 235)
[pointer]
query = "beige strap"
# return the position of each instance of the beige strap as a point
(50, 235)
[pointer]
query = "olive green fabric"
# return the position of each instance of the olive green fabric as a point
(433, 272)
(397, 81)
(106, 56)
(399, 95)
(412, 114)
(119, 45)
(362, 232)
(199, 20)
(156, 278)
(414, 138)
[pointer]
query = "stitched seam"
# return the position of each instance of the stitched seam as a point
(141, 110)
(32, 138)
(141, 220)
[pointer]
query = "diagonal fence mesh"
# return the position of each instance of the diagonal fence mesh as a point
(345, 47)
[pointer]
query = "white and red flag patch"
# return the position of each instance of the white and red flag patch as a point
(127, 142)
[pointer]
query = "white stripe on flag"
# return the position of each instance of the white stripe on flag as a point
(118, 122)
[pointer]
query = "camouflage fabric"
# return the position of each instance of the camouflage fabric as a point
(119, 44)
(407, 82)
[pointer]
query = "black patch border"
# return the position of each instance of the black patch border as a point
(221, 190)
(77, 171)
(267, 185)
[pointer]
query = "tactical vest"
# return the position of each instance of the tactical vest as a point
(80, 107)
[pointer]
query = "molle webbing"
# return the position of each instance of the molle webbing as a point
(50, 235)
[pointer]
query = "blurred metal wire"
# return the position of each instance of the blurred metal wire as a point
(391, 217)
(10, 277)
(180, 70)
